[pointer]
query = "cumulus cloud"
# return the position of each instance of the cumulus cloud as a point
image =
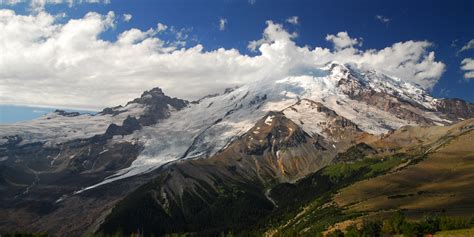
(382, 19)
(67, 64)
(468, 46)
(468, 65)
(273, 32)
(161, 27)
(127, 17)
(222, 23)
(342, 40)
(134, 36)
(292, 20)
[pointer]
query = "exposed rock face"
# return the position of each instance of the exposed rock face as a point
(403, 109)
(35, 178)
(157, 106)
(455, 108)
(45, 209)
(334, 127)
(394, 102)
(129, 125)
(275, 150)
(112, 111)
(274, 133)
(67, 114)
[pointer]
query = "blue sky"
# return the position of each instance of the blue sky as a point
(448, 25)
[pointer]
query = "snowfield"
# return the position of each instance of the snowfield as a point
(209, 125)
(54, 128)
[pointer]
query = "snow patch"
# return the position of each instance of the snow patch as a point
(269, 119)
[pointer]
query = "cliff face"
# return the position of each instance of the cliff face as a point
(456, 108)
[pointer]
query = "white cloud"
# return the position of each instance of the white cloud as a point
(222, 23)
(468, 46)
(67, 64)
(38, 5)
(127, 17)
(273, 32)
(134, 36)
(342, 40)
(161, 27)
(382, 19)
(292, 20)
(252, 2)
(468, 65)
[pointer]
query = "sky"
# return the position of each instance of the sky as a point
(89, 54)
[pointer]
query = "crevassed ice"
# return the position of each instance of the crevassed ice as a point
(194, 131)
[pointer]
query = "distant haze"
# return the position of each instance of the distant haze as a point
(17, 113)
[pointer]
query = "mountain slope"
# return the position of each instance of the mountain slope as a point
(373, 101)
(187, 193)
(442, 182)
(432, 177)
(255, 136)
(45, 161)
(206, 126)
(196, 194)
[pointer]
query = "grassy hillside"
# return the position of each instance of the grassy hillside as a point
(442, 182)
(435, 178)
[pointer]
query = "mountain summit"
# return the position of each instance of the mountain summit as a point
(259, 135)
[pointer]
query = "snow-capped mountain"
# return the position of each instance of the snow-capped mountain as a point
(270, 131)
(375, 102)
(168, 129)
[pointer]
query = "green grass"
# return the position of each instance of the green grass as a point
(374, 166)
(316, 190)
